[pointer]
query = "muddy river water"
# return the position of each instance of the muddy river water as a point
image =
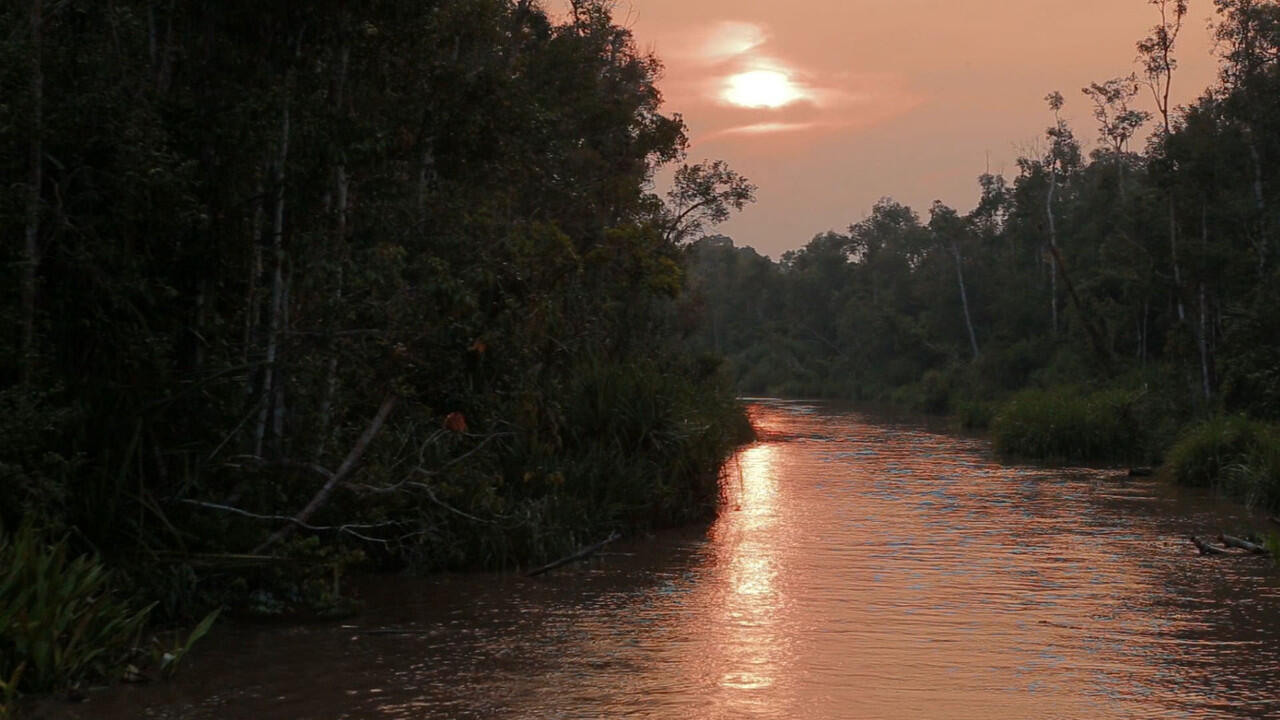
(860, 569)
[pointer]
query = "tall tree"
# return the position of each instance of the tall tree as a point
(1156, 53)
(1117, 121)
(35, 183)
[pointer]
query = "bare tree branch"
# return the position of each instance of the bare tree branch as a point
(349, 464)
(349, 529)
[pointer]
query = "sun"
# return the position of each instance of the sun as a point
(761, 89)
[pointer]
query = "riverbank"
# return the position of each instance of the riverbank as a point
(970, 588)
(645, 453)
(1141, 418)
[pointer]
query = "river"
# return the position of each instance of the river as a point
(860, 569)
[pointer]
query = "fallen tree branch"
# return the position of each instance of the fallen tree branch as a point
(349, 529)
(234, 431)
(395, 631)
(580, 555)
(1236, 542)
(284, 463)
(348, 464)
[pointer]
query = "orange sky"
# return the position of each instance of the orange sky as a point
(899, 98)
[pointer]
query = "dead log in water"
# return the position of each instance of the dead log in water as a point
(1141, 472)
(1207, 549)
(1236, 542)
(580, 555)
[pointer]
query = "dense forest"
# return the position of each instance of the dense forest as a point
(1091, 307)
(299, 285)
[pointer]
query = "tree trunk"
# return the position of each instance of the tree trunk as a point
(1120, 175)
(1204, 349)
(1144, 332)
(342, 194)
(426, 164)
(331, 376)
(31, 244)
(1202, 337)
(277, 286)
(164, 73)
(1053, 246)
(964, 299)
(1173, 253)
(1259, 200)
(251, 309)
(1100, 348)
(1259, 197)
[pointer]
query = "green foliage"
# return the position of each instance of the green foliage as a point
(1150, 275)
(974, 414)
(168, 659)
(35, 466)
(1233, 454)
(1069, 424)
(250, 242)
(9, 693)
(1206, 450)
(302, 581)
(59, 622)
(622, 447)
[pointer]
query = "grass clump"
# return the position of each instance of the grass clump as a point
(1070, 424)
(1235, 455)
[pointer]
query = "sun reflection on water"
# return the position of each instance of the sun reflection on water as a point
(758, 484)
(752, 651)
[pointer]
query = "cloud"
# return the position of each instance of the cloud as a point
(731, 38)
(767, 128)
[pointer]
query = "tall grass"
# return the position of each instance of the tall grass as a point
(1071, 424)
(1235, 455)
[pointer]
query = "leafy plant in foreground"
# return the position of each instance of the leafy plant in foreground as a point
(59, 623)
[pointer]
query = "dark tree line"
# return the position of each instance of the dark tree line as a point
(1154, 268)
(391, 274)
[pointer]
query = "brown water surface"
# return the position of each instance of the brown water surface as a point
(860, 570)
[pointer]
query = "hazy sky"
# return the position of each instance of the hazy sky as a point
(828, 105)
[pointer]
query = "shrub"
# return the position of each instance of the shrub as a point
(973, 414)
(932, 393)
(1070, 424)
(1235, 455)
(59, 623)
(623, 446)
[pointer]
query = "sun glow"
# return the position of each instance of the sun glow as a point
(761, 89)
